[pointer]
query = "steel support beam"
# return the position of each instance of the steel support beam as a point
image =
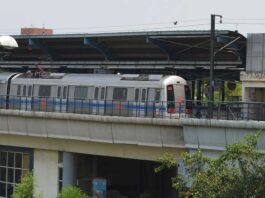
(230, 44)
(171, 54)
(43, 46)
(100, 47)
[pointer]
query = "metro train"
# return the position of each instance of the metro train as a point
(102, 94)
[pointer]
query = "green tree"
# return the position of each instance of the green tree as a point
(238, 172)
(24, 189)
(71, 192)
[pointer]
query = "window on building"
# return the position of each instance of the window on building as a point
(80, 92)
(60, 171)
(13, 165)
(44, 91)
(120, 94)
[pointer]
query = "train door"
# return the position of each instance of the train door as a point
(143, 102)
(153, 103)
(23, 99)
(58, 99)
(26, 97)
(120, 101)
(101, 101)
(179, 98)
(94, 104)
(42, 98)
(136, 104)
(77, 99)
(63, 100)
(109, 106)
(98, 103)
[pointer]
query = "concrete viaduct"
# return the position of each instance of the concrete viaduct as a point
(125, 137)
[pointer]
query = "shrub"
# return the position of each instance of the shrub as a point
(71, 192)
(24, 189)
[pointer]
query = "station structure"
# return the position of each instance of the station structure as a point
(121, 150)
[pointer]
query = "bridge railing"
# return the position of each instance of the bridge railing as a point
(151, 109)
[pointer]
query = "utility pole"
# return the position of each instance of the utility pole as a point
(212, 53)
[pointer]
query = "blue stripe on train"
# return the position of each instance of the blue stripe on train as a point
(112, 105)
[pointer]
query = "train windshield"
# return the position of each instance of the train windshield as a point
(170, 99)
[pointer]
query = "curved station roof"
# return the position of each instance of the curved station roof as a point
(178, 52)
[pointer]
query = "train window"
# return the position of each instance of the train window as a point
(136, 94)
(102, 95)
(96, 93)
(44, 91)
(24, 91)
(157, 95)
(30, 91)
(143, 95)
(170, 93)
(120, 94)
(170, 99)
(59, 92)
(80, 92)
(18, 90)
(64, 92)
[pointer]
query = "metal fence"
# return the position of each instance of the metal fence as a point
(151, 109)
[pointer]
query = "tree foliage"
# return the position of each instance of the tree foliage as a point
(24, 189)
(71, 192)
(238, 172)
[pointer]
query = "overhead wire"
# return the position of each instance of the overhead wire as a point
(9, 30)
(186, 23)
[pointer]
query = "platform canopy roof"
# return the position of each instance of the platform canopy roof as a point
(154, 51)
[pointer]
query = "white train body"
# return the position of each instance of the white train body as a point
(103, 94)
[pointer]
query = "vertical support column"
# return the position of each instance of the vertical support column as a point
(199, 98)
(46, 172)
(211, 80)
(199, 90)
(69, 169)
(94, 167)
(192, 90)
(223, 91)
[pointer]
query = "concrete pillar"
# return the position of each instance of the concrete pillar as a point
(46, 172)
(69, 169)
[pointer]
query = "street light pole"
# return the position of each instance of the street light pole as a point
(211, 80)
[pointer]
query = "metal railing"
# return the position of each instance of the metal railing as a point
(151, 109)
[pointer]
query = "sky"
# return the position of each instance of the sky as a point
(97, 16)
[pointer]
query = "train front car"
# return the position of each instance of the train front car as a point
(5, 79)
(177, 97)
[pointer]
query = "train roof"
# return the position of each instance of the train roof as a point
(4, 76)
(98, 79)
